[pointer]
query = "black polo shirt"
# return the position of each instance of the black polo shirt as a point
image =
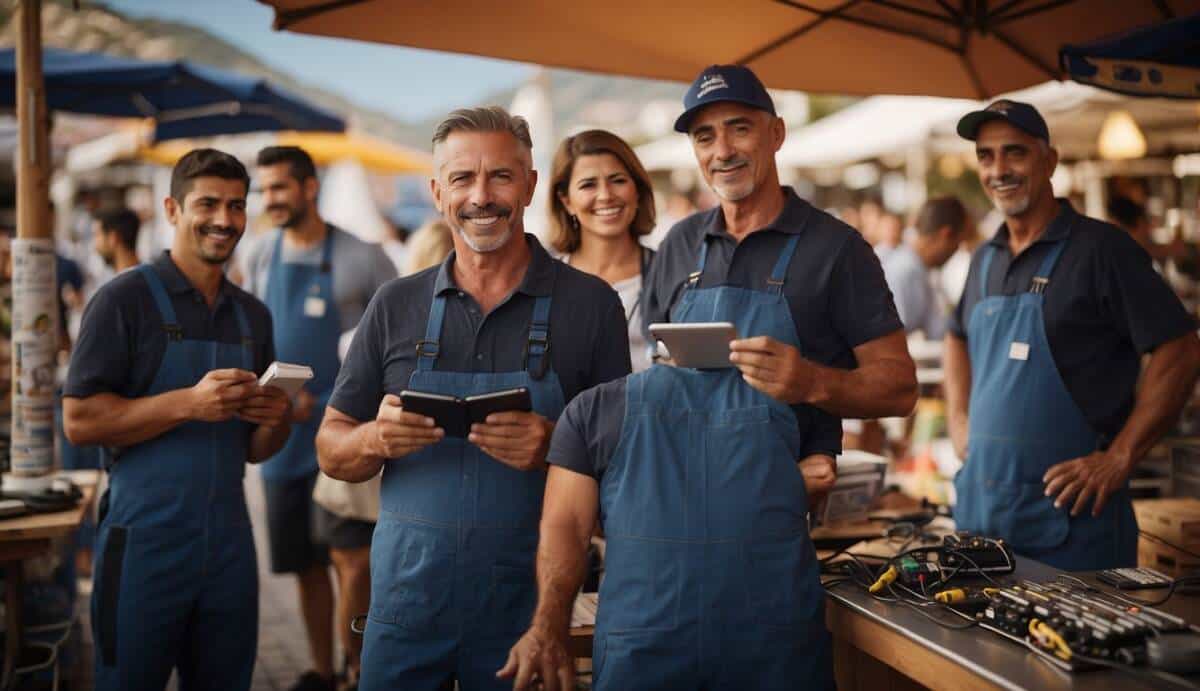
(1104, 307)
(588, 341)
(122, 340)
(834, 285)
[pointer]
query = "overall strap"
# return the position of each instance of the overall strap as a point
(985, 268)
(165, 309)
(246, 336)
(775, 282)
(277, 251)
(428, 347)
(537, 348)
(694, 277)
(327, 252)
(1042, 278)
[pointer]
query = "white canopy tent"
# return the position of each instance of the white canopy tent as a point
(872, 127)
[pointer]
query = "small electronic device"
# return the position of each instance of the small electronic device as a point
(860, 478)
(456, 415)
(1133, 579)
(288, 377)
(702, 345)
(970, 553)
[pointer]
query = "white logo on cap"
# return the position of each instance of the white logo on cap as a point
(712, 83)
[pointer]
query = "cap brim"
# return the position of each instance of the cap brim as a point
(684, 121)
(968, 126)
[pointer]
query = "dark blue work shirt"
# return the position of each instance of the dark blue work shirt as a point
(834, 285)
(1104, 307)
(588, 341)
(122, 340)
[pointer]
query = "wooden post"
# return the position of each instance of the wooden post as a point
(35, 317)
(33, 170)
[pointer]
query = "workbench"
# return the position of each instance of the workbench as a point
(882, 645)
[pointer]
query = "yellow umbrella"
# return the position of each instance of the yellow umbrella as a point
(374, 154)
(377, 155)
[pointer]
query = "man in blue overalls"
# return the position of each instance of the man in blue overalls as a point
(1043, 359)
(317, 280)
(452, 559)
(164, 376)
(711, 581)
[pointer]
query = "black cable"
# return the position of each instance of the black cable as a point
(1155, 538)
(940, 622)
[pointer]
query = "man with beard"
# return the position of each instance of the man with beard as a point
(114, 237)
(452, 578)
(710, 579)
(317, 280)
(1043, 359)
(164, 377)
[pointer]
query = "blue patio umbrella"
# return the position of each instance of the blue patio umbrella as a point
(184, 99)
(1156, 60)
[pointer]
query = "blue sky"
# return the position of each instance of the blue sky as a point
(432, 81)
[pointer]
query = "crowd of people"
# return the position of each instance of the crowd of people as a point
(465, 553)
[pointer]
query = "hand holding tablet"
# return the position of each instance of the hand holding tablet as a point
(702, 345)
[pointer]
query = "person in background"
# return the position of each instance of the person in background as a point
(165, 376)
(1046, 395)
(317, 280)
(889, 233)
(1131, 217)
(601, 202)
(114, 237)
(452, 562)
(940, 226)
(870, 210)
(428, 247)
(395, 243)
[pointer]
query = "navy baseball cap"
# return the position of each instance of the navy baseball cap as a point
(723, 83)
(1020, 115)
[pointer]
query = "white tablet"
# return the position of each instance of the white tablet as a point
(702, 345)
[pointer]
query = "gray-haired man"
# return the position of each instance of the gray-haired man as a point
(452, 560)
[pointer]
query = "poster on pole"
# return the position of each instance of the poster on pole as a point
(34, 355)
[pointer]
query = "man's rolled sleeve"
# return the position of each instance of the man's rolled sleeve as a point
(359, 386)
(860, 303)
(1142, 306)
(103, 354)
(589, 430)
(610, 355)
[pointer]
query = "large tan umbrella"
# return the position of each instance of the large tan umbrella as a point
(959, 48)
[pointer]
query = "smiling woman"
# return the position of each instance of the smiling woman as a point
(601, 202)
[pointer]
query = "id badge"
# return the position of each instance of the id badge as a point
(314, 307)
(1018, 351)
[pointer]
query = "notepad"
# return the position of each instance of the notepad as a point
(286, 376)
(456, 415)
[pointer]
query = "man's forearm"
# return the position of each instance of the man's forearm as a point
(267, 441)
(345, 450)
(561, 566)
(884, 388)
(107, 419)
(1165, 387)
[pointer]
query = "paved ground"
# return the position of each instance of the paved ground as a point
(282, 646)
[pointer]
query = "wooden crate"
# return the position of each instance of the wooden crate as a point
(1166, 559)
(1175, 520)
